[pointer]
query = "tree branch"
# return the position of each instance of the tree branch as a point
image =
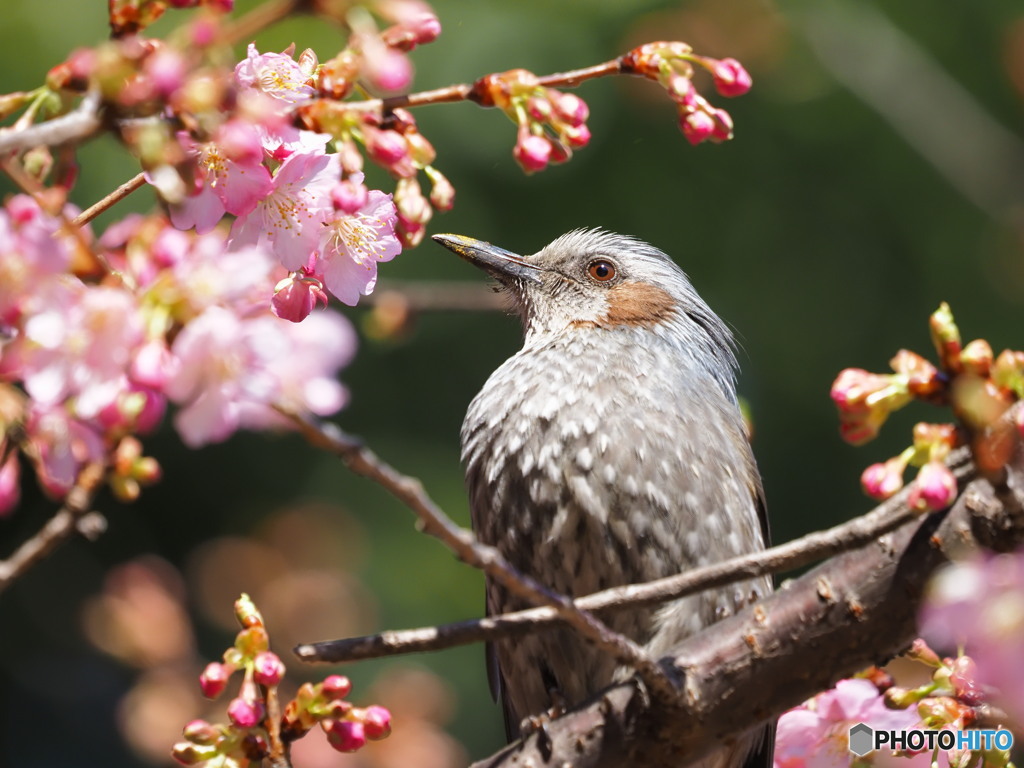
(886, 517)
(74, 515)
(433, 521)
(80, 124)
(857, 609)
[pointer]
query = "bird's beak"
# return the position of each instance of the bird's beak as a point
(497, 262)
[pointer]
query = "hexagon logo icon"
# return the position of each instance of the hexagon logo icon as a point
(861, 739)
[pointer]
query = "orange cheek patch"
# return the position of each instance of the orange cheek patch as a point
(637, 304)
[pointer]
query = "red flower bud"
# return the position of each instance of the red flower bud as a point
(696, 126)
(246, 714)
(933, 489)
(532, 152)
(377, 722)
(268, 669)
(336, 687)
(731, 79)
(345, 735)
(214, 679)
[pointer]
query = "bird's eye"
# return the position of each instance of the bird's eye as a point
(602, 271)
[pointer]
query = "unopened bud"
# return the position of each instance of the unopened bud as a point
(377, 722)
(246, 714)
(201, 732)
(247, 613)
(214, 679)
(345, 735)
(335, 687)
(731, 78)
(268, 669)
(946, 337)
(934, 488)
(697, 126)
(976, 357)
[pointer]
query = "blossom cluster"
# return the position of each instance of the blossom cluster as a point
(979, 387)
(253, 731)
(671, 65)
(101, 335)
(978, 604)
(816, 733)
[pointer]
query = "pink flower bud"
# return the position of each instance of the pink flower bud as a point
(214, 679)
(10, 488)
(723, 127)
(696, 126)
(336, 687)
(880, 481)
(268, 669)
(731, 79)
(680, 90)
(571, 108)
(426, 27)
(246, 714)
(377, 722)
(345, 735)
(539, 108)
(532, 152)
(385, 147)
(294, 298)
(349, 196)
(933, 489)
(964, 679)
(386, 68)
(442, 193)
(576, 136)
(201, 732)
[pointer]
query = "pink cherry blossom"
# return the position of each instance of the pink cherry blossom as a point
(62, 447)
(979, 603)
(353, 244)
(816, 734)
(230, 167)
(81, 344)
(289, 221)
(30, 255)
(277, 75)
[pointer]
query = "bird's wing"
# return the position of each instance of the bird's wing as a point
(763, 754)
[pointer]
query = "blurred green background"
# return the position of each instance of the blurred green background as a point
(878, 169)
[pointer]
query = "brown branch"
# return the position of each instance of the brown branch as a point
(464, 91)
(813, 547)
(80, 124)
(857, 609)
(433, 521)
(59, 528)
(109, 200)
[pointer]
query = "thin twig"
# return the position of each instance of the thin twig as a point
(886, 517)
(57, 530)
(465, 91)
(111, 199)
(465, 546)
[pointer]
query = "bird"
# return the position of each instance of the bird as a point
(609, 450)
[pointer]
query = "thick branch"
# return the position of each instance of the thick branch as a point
(813, 547)
(855, 610)
(80, 124)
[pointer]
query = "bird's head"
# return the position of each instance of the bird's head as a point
(595, 280)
